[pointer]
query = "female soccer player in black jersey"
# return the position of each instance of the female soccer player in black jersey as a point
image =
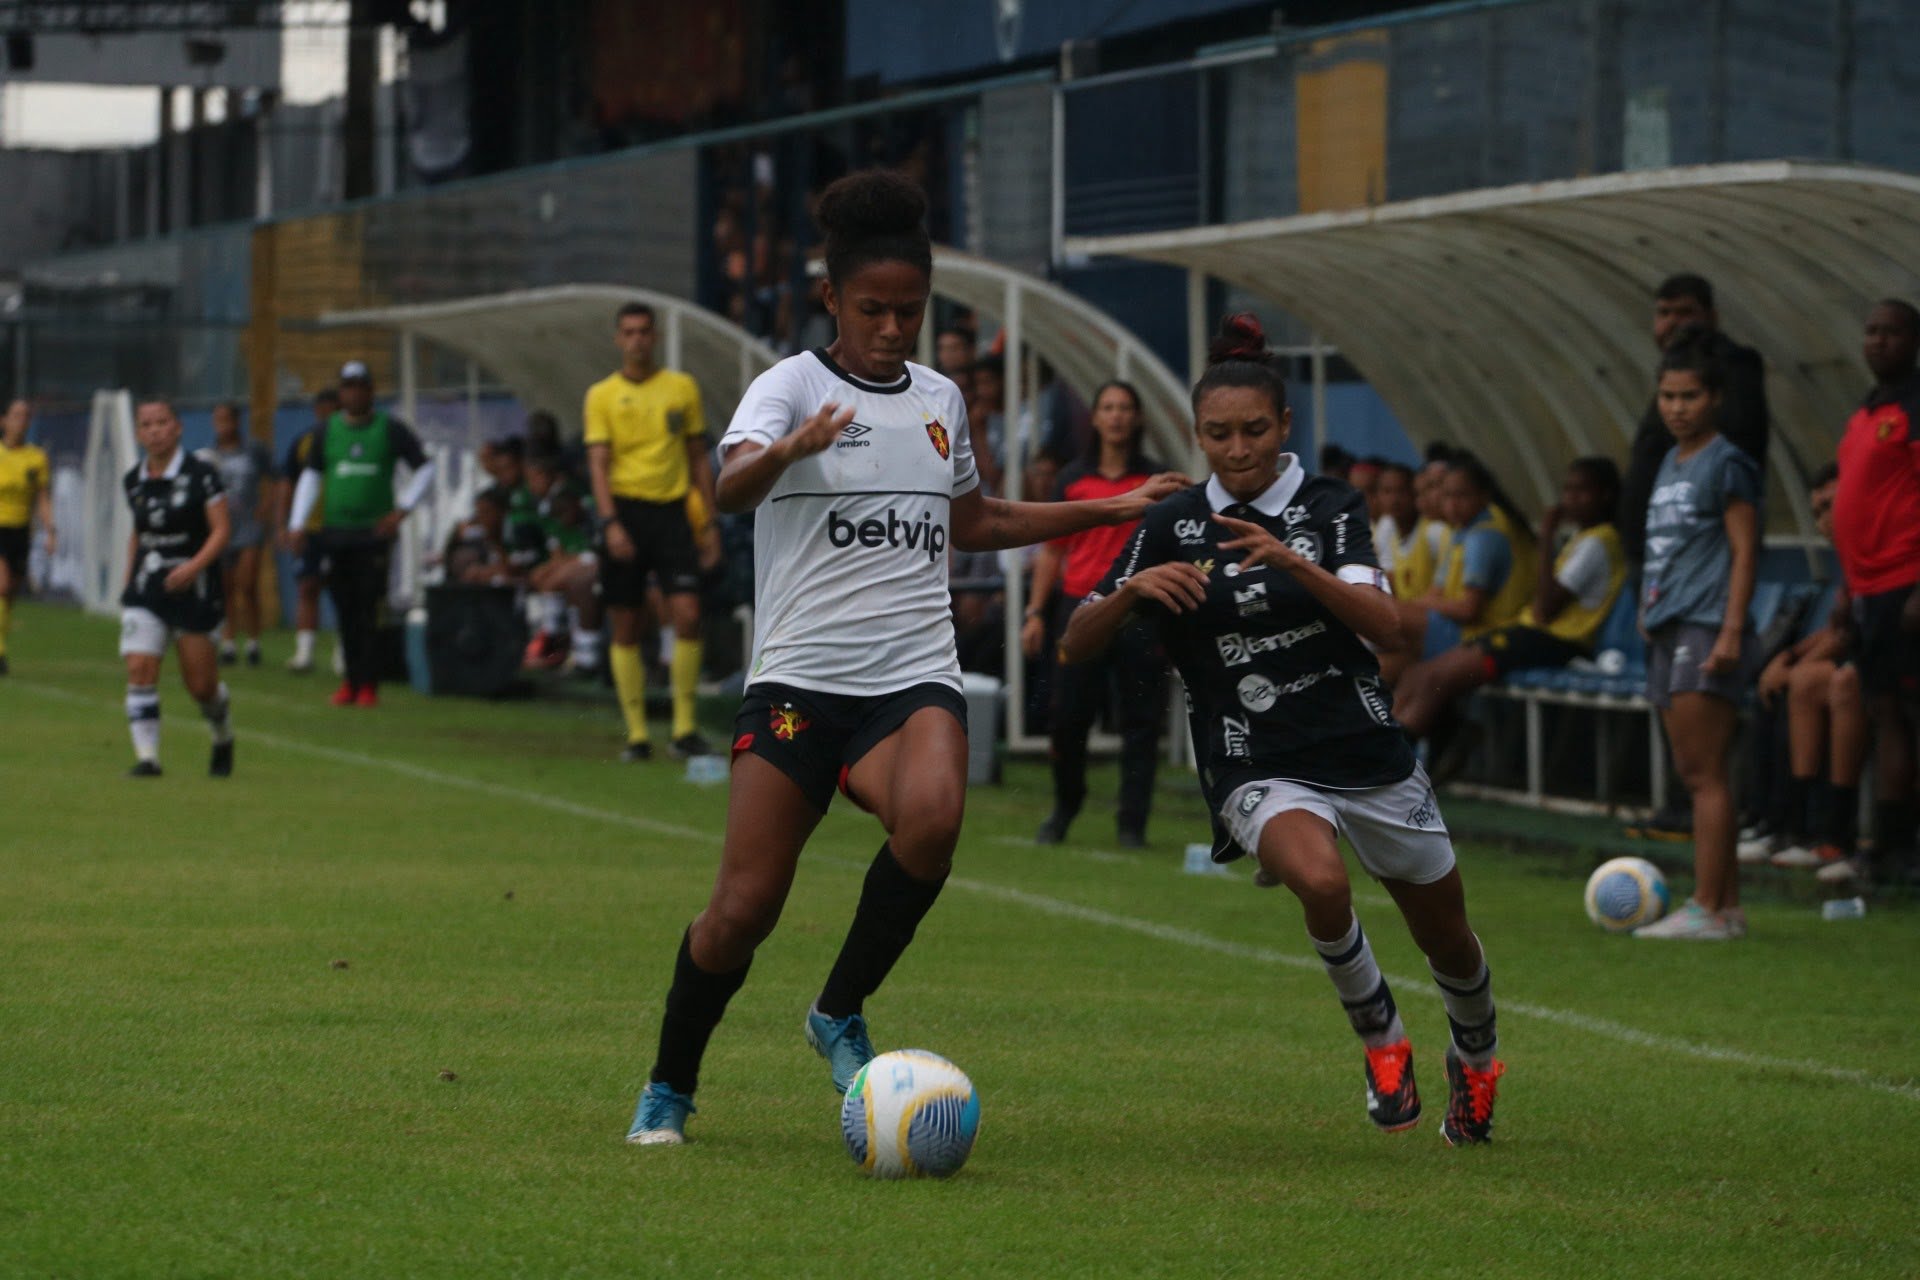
(860, 471)
(1270, 600)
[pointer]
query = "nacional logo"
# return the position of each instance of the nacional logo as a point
(1190, 532)
(1257, 693)
(787, 724)
(938, 434)
(1250, 800)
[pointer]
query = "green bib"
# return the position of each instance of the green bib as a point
(358, 466)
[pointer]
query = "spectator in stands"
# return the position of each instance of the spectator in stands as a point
(477, 553)
(1364, 476)
(1396, 529)
(1683, 308)
(1810, 696)
(1131, 674)
(1415, 570)
(1572, 595)
(1485, 577)
(1335, 461)
(555, 550)
(1876, 531)
(1703, 550)
(543, 441)
(953, 351)
(306, 558)
(26, 489)
(987, 408)
(244, 467)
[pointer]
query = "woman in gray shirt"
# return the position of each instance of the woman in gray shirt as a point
(244, 467)
(1703, 547)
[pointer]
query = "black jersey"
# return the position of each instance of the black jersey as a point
(1277, 687)
(170, 527)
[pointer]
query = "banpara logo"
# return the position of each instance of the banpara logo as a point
(916, 535)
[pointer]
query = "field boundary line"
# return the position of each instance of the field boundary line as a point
(1062, 908)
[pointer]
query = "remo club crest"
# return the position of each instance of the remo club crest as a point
(938, 434)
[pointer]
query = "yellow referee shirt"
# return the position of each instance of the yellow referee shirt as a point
(24, 473)
(646, 426)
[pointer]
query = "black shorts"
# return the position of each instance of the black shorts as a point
(1888, 657)
(1517, 648)
(662, 545)
(16, 541)
(816, 738)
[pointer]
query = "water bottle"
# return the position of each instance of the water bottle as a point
(704, 771)
(1843, 908)
(1200, 862)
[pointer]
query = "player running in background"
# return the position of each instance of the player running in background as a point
(26, 487)
(306, 555)
(1265, 587)
(861, 469)
(244, 467)
(173, 588)
(1113, 465)
(646, 449)
(349, 479)
(1703, 552)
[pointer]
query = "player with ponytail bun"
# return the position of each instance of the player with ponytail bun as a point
(1271, 603)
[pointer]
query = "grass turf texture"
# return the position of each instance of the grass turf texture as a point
(191, 1085)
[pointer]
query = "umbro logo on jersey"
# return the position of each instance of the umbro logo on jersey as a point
(1190, 532)
(921, 534)
(851, 437)
(1237, 650)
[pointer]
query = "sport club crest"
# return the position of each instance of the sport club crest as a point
(938, 434)
(787, 723)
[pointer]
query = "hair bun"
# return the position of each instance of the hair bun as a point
(1240, 338)
(871, 202)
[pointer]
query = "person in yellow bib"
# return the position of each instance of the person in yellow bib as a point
(647, 452)
(26, 486)
(1573, 593)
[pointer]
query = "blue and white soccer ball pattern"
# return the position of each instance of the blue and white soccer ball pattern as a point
(1625, 894)
(910, 1114)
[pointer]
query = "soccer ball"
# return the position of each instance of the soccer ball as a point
(910, 1114)
(1625, 894)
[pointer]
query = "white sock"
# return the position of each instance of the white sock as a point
(1363, 991)
(553, 613)
(586, 648)
(143, 721)
(1470, 1015)
(666, 645)
(303, 646)
(217, 710)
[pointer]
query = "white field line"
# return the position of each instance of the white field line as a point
(1060, 908)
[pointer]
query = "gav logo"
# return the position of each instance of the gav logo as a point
(851, 437)
(1190, 532)
(1237, 650)
(922, 534)
(1295, 514)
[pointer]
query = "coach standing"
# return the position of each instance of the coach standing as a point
(647, 451)
(349, 474)
(1683, 305)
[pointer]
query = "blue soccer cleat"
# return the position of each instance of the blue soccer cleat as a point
(842, 1042)
(661, 1118)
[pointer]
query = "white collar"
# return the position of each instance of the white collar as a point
(1277, 497)
(173, 468)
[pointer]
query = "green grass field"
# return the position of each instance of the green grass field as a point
(380, 1005)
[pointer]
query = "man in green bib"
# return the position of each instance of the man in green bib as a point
(349, 477)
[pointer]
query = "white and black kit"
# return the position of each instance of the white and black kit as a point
(169, 528)
(1286, 703)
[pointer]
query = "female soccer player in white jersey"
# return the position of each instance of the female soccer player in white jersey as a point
(862, 473)
(1268, 595)
(180, 527)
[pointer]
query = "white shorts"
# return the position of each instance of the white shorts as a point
(1396, 830)
(142, 632)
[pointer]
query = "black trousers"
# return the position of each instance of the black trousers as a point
(356, 579)
(1132, 673)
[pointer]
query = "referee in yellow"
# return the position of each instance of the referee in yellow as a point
(26, 486)
(647, 451)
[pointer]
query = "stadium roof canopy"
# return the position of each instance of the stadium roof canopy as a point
(1515, 321)
(550, 344)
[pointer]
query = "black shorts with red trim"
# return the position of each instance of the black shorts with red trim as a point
(1517, 648)
(816, 738)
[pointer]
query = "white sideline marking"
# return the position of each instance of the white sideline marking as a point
(1063, 909)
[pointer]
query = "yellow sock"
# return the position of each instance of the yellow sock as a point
(6, 623)
(630, 682)
(685, 669)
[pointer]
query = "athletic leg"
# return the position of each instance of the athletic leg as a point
(1700, 727)
(1140, 670)
(629, 674)
(1429, 688)
(143, 710)
(1077, 691)
(683, 611)
(1851, 734)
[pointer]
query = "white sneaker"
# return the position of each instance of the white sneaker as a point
(1736, 921)
(1757, 849)
(1797, 857)
(1842, 871)
(1691, 923)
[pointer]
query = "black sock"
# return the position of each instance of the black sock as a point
(1843, 815)
(1796, 806)
(892, 904)
(695, 1002)
(1893, 825)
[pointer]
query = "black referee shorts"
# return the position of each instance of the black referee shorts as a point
(16, 541)
(1888, 658)
(662, 545)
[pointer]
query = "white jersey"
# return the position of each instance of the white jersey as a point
(850, 547)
